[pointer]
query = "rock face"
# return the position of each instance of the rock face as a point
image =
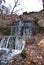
(34, 15)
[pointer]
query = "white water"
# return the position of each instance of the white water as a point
(8, 51)
(2, 42)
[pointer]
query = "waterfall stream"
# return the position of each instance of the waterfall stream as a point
(15, 43)
(9, 47)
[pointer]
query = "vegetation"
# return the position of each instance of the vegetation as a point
(41, 29)
(1, 23)
(36, 19)
(39, 23)
(6, 31)
(24, 53)
(3, 29)
(30, 41)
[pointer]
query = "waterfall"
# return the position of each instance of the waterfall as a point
(15, 43)
(13, 47)
(3, 42)
(23, 28)
(19, 43)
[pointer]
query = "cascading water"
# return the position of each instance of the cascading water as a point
(23, 28)
(9, 48)
(3, 42)
(14, 44)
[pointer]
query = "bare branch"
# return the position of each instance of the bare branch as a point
(16, 4)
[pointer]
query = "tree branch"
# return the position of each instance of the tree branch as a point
(16, 4)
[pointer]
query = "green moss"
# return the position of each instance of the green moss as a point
(39, 23)
(1, 23)
(6, 31)
(36, 19)
(41, 30)
(24, 53)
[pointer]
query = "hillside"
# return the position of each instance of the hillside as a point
(6, 21)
